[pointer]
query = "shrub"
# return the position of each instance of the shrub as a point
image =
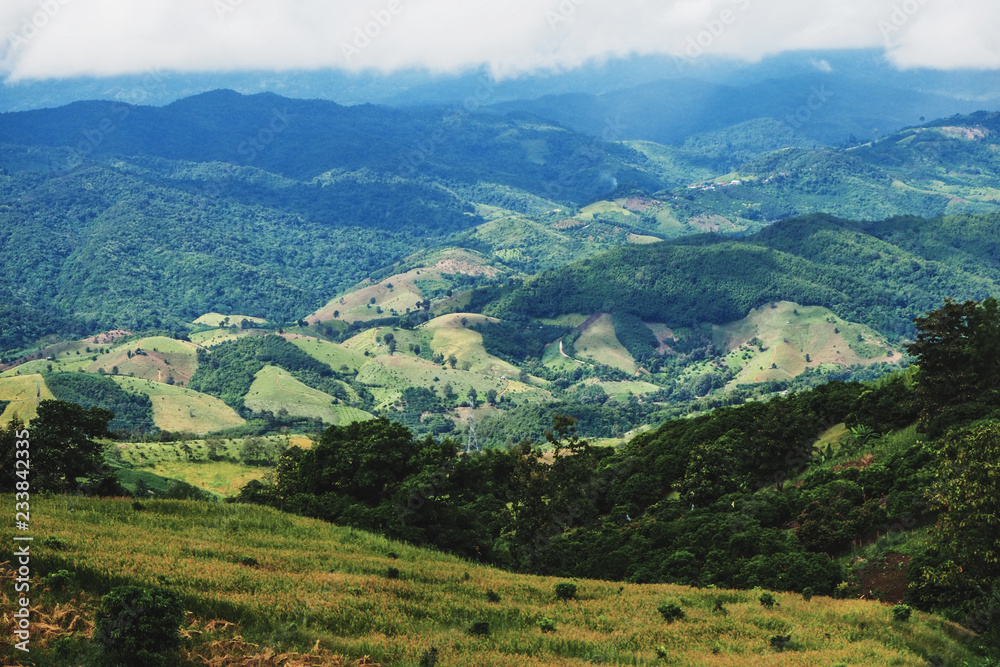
(139, 626)
(392, 573)
(901, 612)
(492, 596)
(59, 580)
(393, 555)
(719, 607)
(249, 561)
(430, 658)
(547, 624)
(671, 611)
(566, 591)
(807, 593)
(779, 642)
(480, 628)
(54, 542)
(767, 600)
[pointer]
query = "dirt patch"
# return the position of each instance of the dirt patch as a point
(107, 337)
(710, 223)
(885, 580)
(465, 267)
(638, 204)
(568, 223)
(968, 133)
(861, 463)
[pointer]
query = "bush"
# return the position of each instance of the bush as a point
(671, 611)
(139, 626)
(767, 600)
(807, 593)
(779, 642)
(392, 573)
(249, 561)
(566, 591)
(59, 580)
(480, 628)
(547, 624)
(901, 612)
(492, 596)
(430, 658)
(54, 542)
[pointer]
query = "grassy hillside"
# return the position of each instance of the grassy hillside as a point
(157, 358)
(317, 589)
(180, 409)
(22, 393)
(274, 389)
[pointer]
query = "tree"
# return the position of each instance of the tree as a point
(966, 491)
(139, 626)
(958, 354)
(473, 396)
(452, 360)
(64, 455)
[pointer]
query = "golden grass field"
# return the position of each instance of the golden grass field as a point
(323, 589)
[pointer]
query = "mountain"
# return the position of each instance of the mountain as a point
(883, 274)
(826, 107)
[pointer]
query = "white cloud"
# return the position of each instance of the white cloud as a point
(59, 38)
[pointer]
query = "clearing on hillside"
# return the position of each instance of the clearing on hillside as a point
(400, 293)
(182, 410)
(332, 354)
(220, 320)
(274, 389)
(788, 333)
(22, 392)
(599, 344)
(156, 358)
(451, 335)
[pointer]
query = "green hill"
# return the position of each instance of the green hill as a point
(313, 591)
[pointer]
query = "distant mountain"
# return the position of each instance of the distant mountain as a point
(826, 107)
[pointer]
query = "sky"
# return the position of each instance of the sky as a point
(45, 39)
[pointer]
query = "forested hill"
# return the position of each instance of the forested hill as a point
(883, 274)
(302, 139)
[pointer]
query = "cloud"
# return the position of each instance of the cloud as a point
(63, 38)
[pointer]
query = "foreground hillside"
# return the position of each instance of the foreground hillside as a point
(259, 583)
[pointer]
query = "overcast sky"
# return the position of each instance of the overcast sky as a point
(64, 38)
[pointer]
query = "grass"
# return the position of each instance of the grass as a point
(599, 344)
(224, 478)
(164, 358)
(274, 389)
(318, 587)
(220, 320)
(22, 392)
(789, 332)
(334, 355)
(185, 410)
(402, 291)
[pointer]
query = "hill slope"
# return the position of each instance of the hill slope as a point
(322, 590)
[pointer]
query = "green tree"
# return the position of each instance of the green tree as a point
(967, 494)
(65, 456)
(958, 353)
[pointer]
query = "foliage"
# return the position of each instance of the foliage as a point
(671, 611)
(766, 600)
(565, 590)
(65, 455)
(138, 625)
(901, 612)
(958, 354)
(132, 411)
